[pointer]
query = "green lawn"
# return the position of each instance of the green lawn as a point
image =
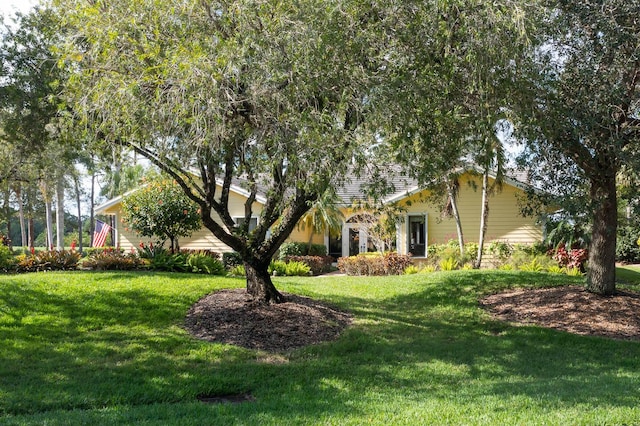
(108, 348)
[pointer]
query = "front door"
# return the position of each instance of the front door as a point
(354, 239)
(417, 236)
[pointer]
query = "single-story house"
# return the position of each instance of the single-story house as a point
(421, 224)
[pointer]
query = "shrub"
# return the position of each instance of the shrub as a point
(395, 264)
(526, 254)
(205, 252)
(556, 269)
(48, 261)
(533, 266)
(112, 260)
(203, 263)
(318, 264)
(427, 269)
(231, 259)
(574, 258)
(574, 272)
(301, 249)
(297, 269)
(448, 264)
(150, 251)
(7, 261)
(451, 250)
(627, 249)
(165, 261)
(93, 250)
(292, 249)
(500, 252)
(237, 271)
(411, 269)
(277, 267)
(387, 264)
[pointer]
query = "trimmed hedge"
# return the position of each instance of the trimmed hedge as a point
(301, 249)
(387, 264)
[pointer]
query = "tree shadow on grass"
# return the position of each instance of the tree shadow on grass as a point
(429, 345)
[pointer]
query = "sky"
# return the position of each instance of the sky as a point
(8, 7)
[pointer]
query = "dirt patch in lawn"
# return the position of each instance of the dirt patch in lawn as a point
(230, 316)
(572, 309)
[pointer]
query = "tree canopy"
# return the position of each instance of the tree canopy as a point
(577, 109)
(265, 96)
(161, 209)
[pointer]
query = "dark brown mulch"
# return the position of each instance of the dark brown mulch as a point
(230, 316)
(572, 309)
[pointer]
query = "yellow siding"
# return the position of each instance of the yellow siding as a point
(201, 239)
(300, 235)
(505, 223)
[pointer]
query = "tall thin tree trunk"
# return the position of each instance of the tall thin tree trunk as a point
(92, 225)
(259, 284)
(483, 216)
(601, 274)
(60, 213)
(31, 232)
(30, 228)
(23, 233)
(49, 221)
(453, 199)
(7, 210)
(76, 182)
(47, 214)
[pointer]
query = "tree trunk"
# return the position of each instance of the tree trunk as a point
(456, 216)
(77, 188)
(23, 230)
(31, 232)
(259, 284)
(7, 212)
(483, 217)
(601, 274)
(49, 220)
(60, 214)
(92, 225)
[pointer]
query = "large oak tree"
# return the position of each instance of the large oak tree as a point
(578, 105)
(265, 95)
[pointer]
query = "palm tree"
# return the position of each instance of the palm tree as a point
(324, 215)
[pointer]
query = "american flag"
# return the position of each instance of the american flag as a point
(100, 234)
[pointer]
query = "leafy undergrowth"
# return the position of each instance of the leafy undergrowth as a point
(110, 348)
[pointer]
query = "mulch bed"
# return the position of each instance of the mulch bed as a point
(572, 309)
(230, 316)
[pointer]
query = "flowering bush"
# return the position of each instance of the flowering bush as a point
(161, 209)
